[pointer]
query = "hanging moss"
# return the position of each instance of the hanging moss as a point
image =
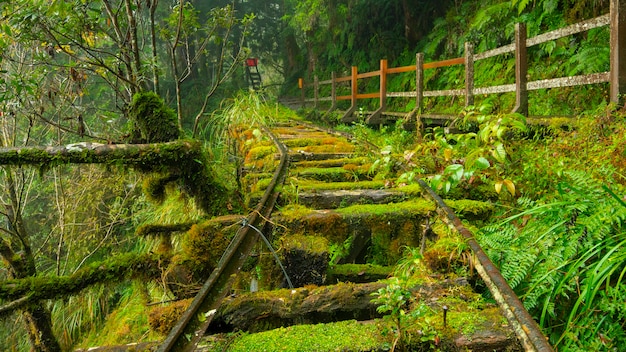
(118, 268)
(152, 120)
(154, 187)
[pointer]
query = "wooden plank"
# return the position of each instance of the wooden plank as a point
(368, 95)
(494, 52)
(593, 78)
(401, 69)
(569, 30)
(444, 63)
(343, 79)
(401, 94)
(368, 74)
(344, 97)
(328, 81)
(504, 88)
(326, 99)
(441, 93)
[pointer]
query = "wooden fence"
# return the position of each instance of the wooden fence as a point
(616, 19)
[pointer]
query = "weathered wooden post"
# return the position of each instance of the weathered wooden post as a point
(301, 86)
(618, 51)
(383, 85)
(419, 80)
(354, 88)
(521, 70)
(333, 91)
(348, 115)
(316, 87)
(376, 116)
(469, 74)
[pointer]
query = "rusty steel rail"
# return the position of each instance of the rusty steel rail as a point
(190, 328)
(525, 327)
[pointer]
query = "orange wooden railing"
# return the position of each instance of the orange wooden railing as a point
(616, 76)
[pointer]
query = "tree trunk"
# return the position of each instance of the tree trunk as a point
(40, 333)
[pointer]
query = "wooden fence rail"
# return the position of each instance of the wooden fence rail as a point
(616, 19)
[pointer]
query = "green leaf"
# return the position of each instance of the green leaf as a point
(481, 163)
(499, 153)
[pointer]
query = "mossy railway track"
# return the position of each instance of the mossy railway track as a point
(330, 195)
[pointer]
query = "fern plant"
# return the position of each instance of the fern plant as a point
(565, 259)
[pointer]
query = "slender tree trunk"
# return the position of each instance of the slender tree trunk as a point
(155, 72)
(22, 264)
(134, 46)
(39, 323)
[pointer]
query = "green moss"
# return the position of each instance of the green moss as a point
(258, 153)
(471, 209)
(341, 336)
(203, 246)
(295, 211)
(357, 273)
(152, 120)
(163, 318)
(335, 162)
(333, 174)
(412, 189)
(311, 244)
(154, 187)
(318, 185)
(416, 206)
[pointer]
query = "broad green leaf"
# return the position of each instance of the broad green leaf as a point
(481, 163)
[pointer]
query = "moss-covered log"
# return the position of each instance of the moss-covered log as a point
(183, 161)
(145, 156)
(270, 309)
(147, 266)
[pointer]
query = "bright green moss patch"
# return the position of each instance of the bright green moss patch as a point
(341, 336)
(294, 211)
(416, 206)
(471, 209)
(260, 152)
(412, 189)
(317, 185)
(333, 162)
(334, 174)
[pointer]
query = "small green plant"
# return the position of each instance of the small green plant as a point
(336, 251)
(400, 306)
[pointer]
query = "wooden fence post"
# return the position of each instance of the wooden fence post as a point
(376, 116)
(469, 74)
(618, 51)
(316, 87)
(301, 86)
(333, 91)
(419, 80)
(383, 84)
(521, 70)
(348, 116)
